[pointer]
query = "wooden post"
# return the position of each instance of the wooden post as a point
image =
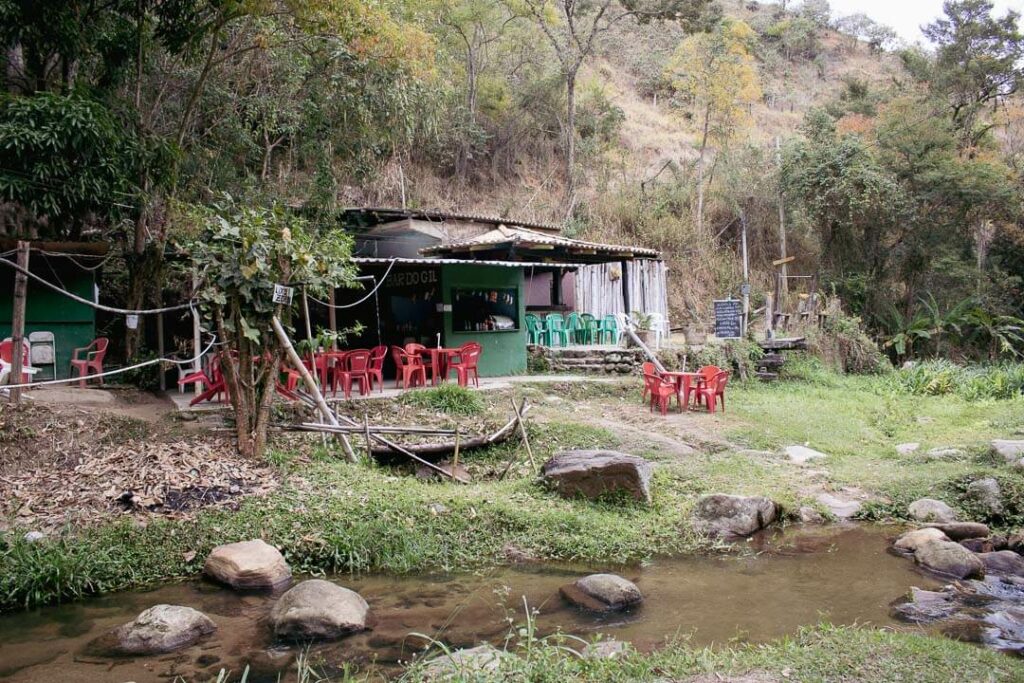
(160, 347)
(369, 440)
(305, 316)
(332, 319)
(526, 437)
(746, 274)
(197, 337)
(310, 383)
(455, 457)
(783, 252)
(18, 320)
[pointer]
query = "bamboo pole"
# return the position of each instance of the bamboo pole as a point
(379, 429)
(18, 322)
(455, 458)
(526, 437)
(310, 383)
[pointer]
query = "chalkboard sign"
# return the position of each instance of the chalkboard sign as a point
(728, 318)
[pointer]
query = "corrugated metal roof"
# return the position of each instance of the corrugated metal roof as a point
(461, 261)
(437, 215)
(504, 234)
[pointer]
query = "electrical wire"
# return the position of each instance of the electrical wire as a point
(99, 307)
(152, 361)
(365, 298)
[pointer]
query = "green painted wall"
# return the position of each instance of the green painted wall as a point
(504, 353)
(73, 324)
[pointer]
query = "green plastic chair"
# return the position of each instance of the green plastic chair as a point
(608, 327)
(574, 326)
(535, 332)
(555, 325)
(588, 334)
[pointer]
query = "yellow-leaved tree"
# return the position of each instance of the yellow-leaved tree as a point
(716, 73)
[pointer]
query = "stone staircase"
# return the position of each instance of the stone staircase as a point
(587, 360)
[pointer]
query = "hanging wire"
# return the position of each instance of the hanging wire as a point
(373, 292)
(99, 307)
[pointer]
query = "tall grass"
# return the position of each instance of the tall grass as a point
(970, 382)
(447, 398)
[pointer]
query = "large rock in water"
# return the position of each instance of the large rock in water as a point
(931, 510)
(318, 609)
(960, 531)
(464, 664)
(720, 514)
(602, 593)
(912, 540)
(1005, 562)
(949, 559)
(249, 565)
(592, 474)
(159, 629)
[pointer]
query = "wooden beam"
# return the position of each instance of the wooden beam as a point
(783, 261)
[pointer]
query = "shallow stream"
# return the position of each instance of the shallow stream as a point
(769, 589)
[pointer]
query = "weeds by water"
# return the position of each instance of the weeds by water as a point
(970, 382)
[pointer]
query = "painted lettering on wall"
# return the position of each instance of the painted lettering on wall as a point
(413, 278)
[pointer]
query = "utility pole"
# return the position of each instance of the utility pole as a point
(783, 252)
(18, 320)
(745, 289)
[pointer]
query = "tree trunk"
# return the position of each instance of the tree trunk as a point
(570, 139)
(700, 173)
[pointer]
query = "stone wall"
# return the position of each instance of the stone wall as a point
(583, 360)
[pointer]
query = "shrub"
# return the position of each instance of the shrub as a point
(844, 344)
(971, 382)
(447, 398)
(740, 355)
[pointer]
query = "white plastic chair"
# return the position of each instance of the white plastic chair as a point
(658, 327)
(621, 324)
(43, 350)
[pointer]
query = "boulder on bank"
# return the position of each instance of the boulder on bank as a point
(318, 609)
(986, 493)
(605, 649)
(602, 593)
(802, 454)
(841, 508)
(924, 606)
(907, 448)
(1010, 450)
(931, 510)
(720, 514)
(593, 474)
(248, 565)
(159, 629)
(946, 453)
(912, 540)
(961, 531)
(949, 559)
(1003, 562)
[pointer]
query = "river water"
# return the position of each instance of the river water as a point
(769, 588)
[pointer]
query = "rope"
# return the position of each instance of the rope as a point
(100, 307)
(152, 361)
(72, 257)
(356, 303)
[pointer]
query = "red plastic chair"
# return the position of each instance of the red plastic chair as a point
(713, 391)
(376, 369)
(426, 358)
(214, 382)
(662, 391)
(647, 368)
(93, 361)
(410, 367)
(355, 368)
(7, 356)
(469, 356)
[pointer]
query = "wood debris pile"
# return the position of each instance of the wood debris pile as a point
(172, 479)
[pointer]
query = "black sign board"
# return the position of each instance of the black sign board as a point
(728, 318)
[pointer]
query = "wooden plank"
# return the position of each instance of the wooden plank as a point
(783, 261)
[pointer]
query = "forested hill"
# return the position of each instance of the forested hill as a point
(669, 123)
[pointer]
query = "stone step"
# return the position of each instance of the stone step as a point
(767, 376)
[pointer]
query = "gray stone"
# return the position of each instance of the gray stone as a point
(802, 454)
(602, 593)
(1010, 450)
(907, 448)
(437, 508)
(1004, 562)
(605, 649)
(931, 510)
(593, 474)
(159, 629)
(986, 493)
(843, 508)
(34, 536)
(318, 609)
(467, 663)
(809, 515)
(944, 454)
(925, 606)
(248, 565)
(959, 531)
(912, 540)
(720, 514)
(949, 559)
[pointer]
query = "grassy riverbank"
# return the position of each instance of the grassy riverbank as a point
(331, 516)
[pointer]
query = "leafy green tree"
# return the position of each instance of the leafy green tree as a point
(242, 252)
(979, 62)
(717, 73)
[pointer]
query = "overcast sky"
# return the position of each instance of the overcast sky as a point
(907, 16)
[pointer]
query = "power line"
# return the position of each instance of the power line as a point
(356, 303)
